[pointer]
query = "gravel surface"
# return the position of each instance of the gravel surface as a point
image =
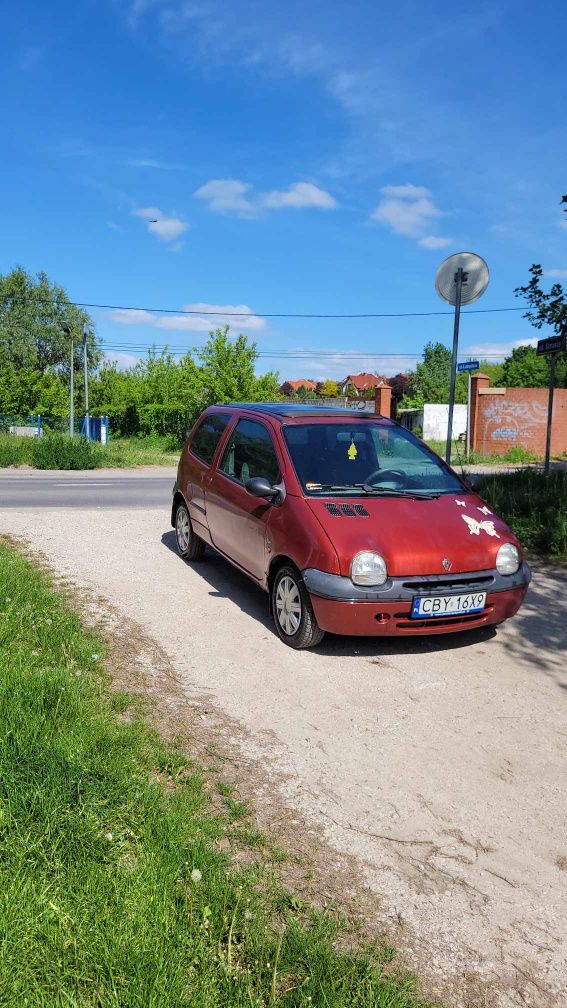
(438, 764)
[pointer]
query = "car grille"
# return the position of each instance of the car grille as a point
(445, 584)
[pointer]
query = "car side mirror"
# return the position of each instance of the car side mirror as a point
(259, 486)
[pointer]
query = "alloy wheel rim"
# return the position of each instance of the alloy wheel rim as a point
(182, 528)
(288, 605)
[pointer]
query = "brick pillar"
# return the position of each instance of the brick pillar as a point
(383, 399)
(477, 381)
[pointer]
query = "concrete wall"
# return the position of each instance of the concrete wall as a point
(436, 420)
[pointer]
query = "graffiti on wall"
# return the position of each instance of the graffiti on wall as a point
(511, 421)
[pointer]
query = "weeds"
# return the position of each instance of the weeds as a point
(534, 505)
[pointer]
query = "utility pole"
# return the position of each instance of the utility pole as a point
(87, 417)
(66, 328)
(460, 278)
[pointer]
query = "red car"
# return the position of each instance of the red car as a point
(348, 521)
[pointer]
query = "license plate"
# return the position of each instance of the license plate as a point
(447, 605)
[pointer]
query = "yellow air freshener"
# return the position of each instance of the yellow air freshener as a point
(352, 452)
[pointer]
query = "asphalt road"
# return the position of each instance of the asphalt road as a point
(93, 490)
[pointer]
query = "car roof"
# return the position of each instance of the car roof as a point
(298, 411)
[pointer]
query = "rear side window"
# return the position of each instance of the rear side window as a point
(207, 436)
(250, 452)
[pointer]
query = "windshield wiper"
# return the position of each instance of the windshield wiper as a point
(368, 489)
(315, 487)
(391, 492)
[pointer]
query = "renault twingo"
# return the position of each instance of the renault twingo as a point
(348, 521)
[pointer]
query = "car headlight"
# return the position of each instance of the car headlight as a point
(507, 559)
(368, 568)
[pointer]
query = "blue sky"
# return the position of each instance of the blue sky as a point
(285, 158)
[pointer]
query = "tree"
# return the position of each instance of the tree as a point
(227, 370)
(32, 311)
(329, 389)
(27, 391)
(547, 307)
(524, 368)
(306, 393)
(430, 382)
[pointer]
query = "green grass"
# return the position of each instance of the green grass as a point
(58, 451)
(15, 451)
(534, 505)
(458, 454)
(126, 452)
(113, 890)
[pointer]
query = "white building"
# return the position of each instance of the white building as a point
(433, 419)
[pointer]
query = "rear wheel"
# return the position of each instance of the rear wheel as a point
(292, 610)
(189, 545)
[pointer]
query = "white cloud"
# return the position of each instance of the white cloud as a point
(203, 318)
(558, 274)
(232, 196)
(131, 316)
(434, 242)
(502, 350)
(409, 210)
(122, 360)
(407, 191)
(300, 194)
(226, 196)
(335, 365)
(166, 228)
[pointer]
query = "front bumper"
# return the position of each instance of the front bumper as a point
(342, 607)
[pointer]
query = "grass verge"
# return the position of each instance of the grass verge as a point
(458, 453)
(534, 505)
(114, 891)
(58, 451)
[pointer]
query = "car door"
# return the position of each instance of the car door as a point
(237, 520)
(200, 452)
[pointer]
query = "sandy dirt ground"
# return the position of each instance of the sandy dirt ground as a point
(439, 765)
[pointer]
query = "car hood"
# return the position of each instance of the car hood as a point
(414, 536)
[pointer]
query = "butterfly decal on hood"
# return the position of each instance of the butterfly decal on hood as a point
(476, 527)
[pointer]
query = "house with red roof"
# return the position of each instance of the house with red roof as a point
(359, 384)
(291, 386)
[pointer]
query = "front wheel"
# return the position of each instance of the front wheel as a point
(189, 545)
(292, 610)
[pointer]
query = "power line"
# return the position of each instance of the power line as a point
(289, 315)
(290, 355)
(299, 315)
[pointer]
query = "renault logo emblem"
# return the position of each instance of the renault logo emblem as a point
(447, 564)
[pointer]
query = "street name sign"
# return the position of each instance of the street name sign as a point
(553, 344)
(469, 365)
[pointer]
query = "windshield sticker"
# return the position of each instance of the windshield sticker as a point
(461, 503)
(476, 527)
(353, 451)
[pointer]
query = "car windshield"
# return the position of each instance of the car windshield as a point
(366, 457)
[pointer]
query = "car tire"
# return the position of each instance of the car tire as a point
(189, 545)
(293, 613)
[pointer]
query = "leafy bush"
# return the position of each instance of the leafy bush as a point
(534, 505)
(59, 451)
(15, 451)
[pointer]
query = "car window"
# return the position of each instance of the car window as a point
(207, 436)
(350, 455)
(250, 452)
